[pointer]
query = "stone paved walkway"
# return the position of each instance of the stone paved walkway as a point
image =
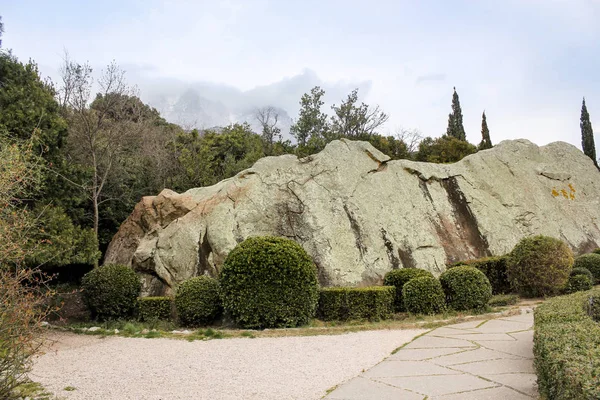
(481, 360)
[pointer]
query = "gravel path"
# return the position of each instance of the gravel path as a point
(263, 368)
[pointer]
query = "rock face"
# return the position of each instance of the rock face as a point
(360, 215)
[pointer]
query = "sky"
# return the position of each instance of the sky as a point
(527, 63)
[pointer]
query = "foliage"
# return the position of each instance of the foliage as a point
(486, 142)
(59, 242)
(582, 271)
(423, 295)
(391, 146)
(111, 291)
(397, 278)
(446, 149)
(596, 251)
(346, 303)
(154, 308)
(311, 122)
(587, 134)
(503, 300)
(269, 282)
(213, 156)
(590, 262)
(466, 288)
(494, 269)
(455, 120)
(352, 120)
(539, 266)
(593, 307)
(198, 301)
(567, 349)
(22, 312)
(578, 283)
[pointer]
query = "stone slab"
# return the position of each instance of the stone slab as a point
(521, 348)
(479, 354)
(428, 342)
(365, 389)
(525, 383)
(496, 367)
(407, 368)
(439, 385)
(479, 336)
(421, 354)
(502, 326)
(499, 393)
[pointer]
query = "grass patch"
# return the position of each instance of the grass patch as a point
(70, 389)
(34, 391)
(500, 300)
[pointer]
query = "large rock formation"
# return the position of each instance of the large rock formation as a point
(360, 215)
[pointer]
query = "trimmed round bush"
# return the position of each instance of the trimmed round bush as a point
(596, 251)
(423, 295)
(399, 277)
(539, 266)
(198, 301)
(152, 309)
(582, 271)
(269, 282)
(466, 288)
(111, 291)
(591, 262)
(578, 283)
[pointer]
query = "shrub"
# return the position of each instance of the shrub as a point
(591, 262)
(423, 295)
(269, 282)
(582, 271)
(22, 310)
(397, 278)
(567, 349)
(494, 269)
(503, 300)
(578, 283)
(154, 308)
(596, 251)
(111, 291)
(466, 288)
(343, 303)
(539, 266)
(198, 301)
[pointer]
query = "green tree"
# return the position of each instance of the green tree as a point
(587, 134)
(312, 122)
(486, 142)
(445, 149)
(455, 120)
(212, 156)
(351, 119)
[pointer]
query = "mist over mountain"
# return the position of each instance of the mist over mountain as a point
(206, 105)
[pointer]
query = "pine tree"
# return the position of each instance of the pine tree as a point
(486, 142)
(455, 120)
(587, 134)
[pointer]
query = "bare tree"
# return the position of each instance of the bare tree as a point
(100, 132)
(411, 137)
(268, 117)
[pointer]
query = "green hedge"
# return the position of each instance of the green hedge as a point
(503, 300)
(494, 269)
(582, 271)
(269, 282)
(399, 277)
(596, 251)
(111, 292)
(466, 288)
(539, 266)
(154, 308)
(567, 349)
(591, 262)
(344, 303)
(424, 295)
(578, 283)
(198, 301)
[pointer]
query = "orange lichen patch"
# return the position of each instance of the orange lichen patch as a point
(564, 193)
(571, 196)
(572, 188)
(555, 193)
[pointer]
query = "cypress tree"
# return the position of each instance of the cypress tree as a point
(587, 134)
(486, 142)
(455, 120)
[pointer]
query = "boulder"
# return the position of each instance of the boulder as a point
(358, 214)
